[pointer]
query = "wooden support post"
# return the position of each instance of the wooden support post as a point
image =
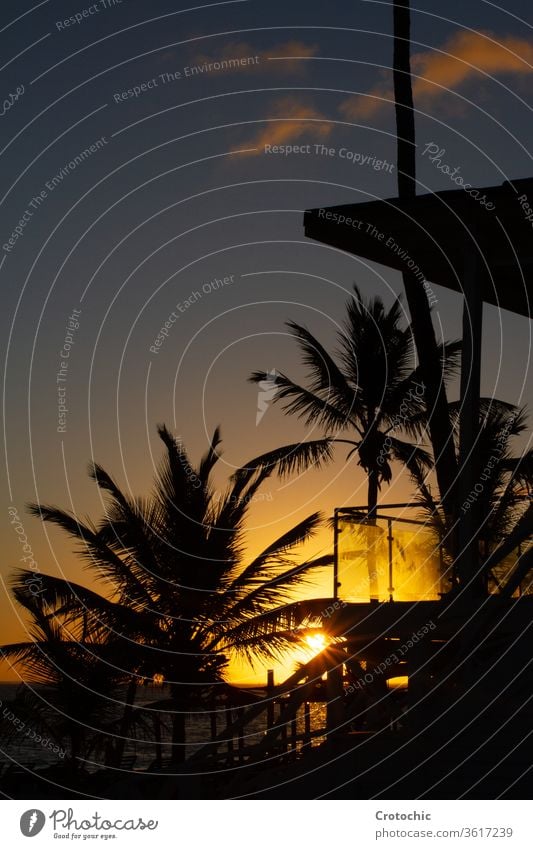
(283, 726)
(294, 733)
(419, 694)
(270, 698)
(336, 583)
(429, 355)
(335, 705)
(373, 583)
(391, 576)
(230, 734)
(157, 736)
(213, 722)
(307, 723)
(240, 714)
(467, 564)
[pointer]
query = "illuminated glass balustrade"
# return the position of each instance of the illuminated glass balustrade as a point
(399, 559)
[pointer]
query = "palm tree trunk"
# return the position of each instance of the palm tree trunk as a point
(440, 428)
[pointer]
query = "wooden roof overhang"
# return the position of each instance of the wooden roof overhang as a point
(434, 234)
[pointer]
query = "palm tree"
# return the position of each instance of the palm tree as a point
(74, 696)
(372, 390)
(502, 493)
(180, 599)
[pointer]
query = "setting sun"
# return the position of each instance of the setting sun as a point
(316, 641)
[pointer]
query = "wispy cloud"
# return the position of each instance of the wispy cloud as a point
(291, 119)
(466, 55)
(291, 53)
(284, 58)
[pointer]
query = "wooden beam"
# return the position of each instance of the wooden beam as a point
(436, 402)
(467, 562)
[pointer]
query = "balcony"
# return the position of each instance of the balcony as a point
(396, 558)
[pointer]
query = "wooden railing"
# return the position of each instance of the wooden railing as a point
(292, 699)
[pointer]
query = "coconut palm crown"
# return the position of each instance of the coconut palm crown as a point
(371, 390)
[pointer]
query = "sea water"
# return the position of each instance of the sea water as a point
(18, 749)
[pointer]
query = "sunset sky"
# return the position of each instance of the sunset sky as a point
(179, 208)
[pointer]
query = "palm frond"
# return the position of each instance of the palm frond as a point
(95, 551)
(259, 570)
(293, 459)
(309, 405)
(210, 459)
(325, 375)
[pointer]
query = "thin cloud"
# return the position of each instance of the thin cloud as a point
(464, 56)
(286, 57)
(291, 120)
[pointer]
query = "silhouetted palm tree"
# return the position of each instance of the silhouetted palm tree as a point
(74, 692)
(372, 390)
(180, 597)
(500, 496)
